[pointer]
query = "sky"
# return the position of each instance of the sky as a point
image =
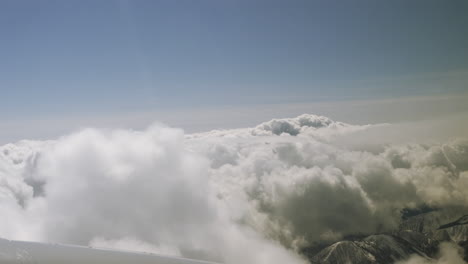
(337, 116)
(82, 61)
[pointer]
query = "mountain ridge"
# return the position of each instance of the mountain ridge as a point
(420, 235)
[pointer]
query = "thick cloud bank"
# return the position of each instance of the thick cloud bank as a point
(255, 195)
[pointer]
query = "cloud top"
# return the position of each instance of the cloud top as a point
(253, 195)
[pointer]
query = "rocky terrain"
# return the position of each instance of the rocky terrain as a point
(420, 234)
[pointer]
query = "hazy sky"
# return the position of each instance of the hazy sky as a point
(64, 59)
(247, 195)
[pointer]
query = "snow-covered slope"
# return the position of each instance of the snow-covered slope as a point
(419, 235)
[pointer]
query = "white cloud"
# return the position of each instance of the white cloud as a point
(253, 195)
(133, 244)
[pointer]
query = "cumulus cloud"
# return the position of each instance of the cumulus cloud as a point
(253, 195)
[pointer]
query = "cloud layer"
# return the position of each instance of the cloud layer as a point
(254, 195)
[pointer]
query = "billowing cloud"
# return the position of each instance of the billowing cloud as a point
(254, 195)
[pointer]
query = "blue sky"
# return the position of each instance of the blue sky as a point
(80, 57)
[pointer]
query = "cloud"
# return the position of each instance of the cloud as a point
(133, 244)
(253, 195)
(449, 253)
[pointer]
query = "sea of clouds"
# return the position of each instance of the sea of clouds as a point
(254, 195)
